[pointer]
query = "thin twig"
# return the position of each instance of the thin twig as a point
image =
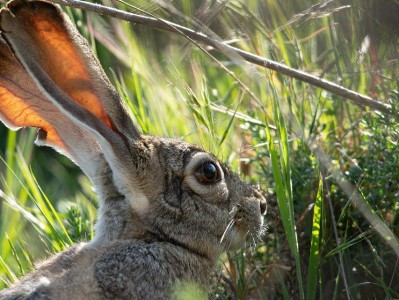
(337, 239)
(334, 88)
(356, 199)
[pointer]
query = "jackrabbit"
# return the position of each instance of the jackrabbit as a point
(168, 208)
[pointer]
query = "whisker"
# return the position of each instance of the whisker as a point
(234, 209)
(228, 227)
(253, 240)
(246, 234)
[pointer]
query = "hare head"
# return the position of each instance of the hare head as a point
(157, 192)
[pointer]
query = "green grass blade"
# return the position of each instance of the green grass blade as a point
(280, 161)
(313, 268)
(8, 270)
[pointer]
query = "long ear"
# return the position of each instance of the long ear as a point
(65, 71)
(22, 104)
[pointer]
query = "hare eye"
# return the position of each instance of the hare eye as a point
(207, 173)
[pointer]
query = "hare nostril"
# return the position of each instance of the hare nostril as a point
(262, 200)
(263, 205)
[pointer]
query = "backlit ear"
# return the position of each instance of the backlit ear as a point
(71, 88)
(15, 88)
(23, 105)
(40, 33)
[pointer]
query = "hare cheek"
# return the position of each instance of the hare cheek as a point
(218, 191)
(139, 203)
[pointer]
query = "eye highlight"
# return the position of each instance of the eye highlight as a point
(207, 173)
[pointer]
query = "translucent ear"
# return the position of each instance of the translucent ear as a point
(23, 105)
(41, 31)
(71, 89)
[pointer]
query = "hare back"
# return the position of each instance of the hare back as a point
(121, 270)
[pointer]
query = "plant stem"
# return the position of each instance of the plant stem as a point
(357, 98)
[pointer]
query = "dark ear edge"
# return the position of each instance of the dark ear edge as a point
(57, 45)
(66, 73)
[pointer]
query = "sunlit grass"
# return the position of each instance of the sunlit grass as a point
(174, 89)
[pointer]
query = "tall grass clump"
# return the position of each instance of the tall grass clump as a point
(328, 167)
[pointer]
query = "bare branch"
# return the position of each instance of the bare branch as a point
(224, 48)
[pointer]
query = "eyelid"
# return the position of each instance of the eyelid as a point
(198, 160)
(191, 182)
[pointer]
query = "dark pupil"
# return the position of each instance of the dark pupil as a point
(209, 170)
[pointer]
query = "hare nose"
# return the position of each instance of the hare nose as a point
(263, 205)
(262, 202)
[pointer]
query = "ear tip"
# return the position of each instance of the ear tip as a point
(25, 10)
(15, 5)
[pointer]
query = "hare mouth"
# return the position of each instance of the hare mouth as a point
(233, 239)
(237, 234)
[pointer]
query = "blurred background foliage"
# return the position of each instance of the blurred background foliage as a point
(264, 125)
